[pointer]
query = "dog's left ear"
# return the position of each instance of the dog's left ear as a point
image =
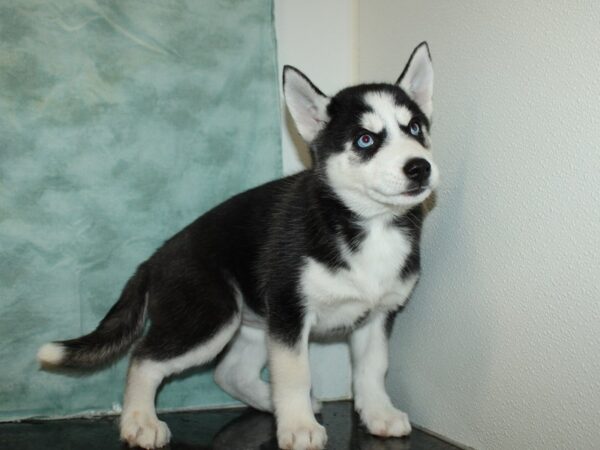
(417, 78)
(307, 104)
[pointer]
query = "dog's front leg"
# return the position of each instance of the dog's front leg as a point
(297, 428)
(369, 348)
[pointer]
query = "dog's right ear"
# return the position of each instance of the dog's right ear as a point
(307, 104)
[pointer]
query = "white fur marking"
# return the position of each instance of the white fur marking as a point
(372, 281)
(384, 106)
(403, 115)
(51, 354)
(372, 122)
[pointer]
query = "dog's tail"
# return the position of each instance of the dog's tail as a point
(113, 336)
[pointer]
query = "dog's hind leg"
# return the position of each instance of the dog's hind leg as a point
(238, 373)
(139, 424)
(185, 332)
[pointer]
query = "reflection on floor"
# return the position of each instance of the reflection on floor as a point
(229, 429)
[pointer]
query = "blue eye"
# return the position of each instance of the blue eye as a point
(415, 128)
(365, 141)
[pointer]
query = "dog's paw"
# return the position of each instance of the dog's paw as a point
(301, 436)
(144, 430)
(387, 422)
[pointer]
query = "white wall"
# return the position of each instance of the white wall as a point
(500, 346)
(318, 38)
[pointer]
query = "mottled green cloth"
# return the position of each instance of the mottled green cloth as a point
(120, 123)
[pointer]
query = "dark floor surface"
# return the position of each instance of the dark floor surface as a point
(229, 429)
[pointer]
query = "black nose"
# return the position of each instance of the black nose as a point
(417, 169)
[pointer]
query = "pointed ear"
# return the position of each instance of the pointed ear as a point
(417, 78)
(307, 104)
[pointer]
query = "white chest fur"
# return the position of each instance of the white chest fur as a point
(372, 281)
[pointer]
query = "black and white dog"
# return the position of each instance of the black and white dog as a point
(332, 248)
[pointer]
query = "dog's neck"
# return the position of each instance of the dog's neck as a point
(338, 212)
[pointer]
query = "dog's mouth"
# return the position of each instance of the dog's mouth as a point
(413, 192)
(401, 198)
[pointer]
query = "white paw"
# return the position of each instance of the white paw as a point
(298, 436)
(386, 422)
(144, 430)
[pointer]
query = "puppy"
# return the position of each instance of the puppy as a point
(333, 248)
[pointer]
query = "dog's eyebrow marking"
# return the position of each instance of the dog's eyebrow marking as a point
(372, 122)
(389, 113)
(381, 103)
(403, 115)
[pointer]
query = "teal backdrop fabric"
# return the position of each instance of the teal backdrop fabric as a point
(120, 123)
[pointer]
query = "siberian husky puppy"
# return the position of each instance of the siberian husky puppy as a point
(335, 247)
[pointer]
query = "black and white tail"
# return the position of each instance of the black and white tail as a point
(113, 336)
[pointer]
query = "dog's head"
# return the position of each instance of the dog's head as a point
(371, 142)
